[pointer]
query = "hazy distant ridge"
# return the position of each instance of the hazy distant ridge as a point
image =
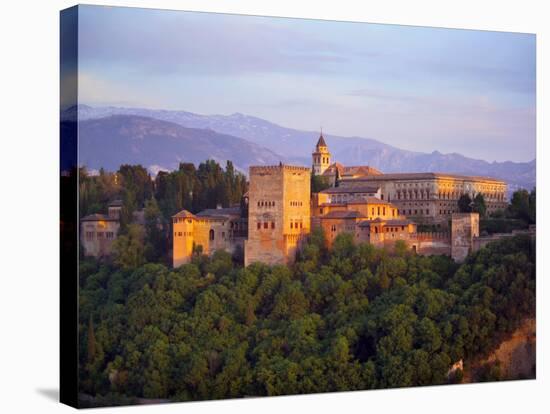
(126, 139)
(288, 144)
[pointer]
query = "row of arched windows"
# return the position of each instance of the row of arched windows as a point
(265, 225)
(266, 203)
(323, 160)
(413, 194)
(296, 225)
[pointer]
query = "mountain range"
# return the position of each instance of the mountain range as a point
(162, 138)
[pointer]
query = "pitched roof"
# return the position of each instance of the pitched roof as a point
(321, 142)
(422, 176)
(343, 215)
(223, 212)
(362, 170)
(184, 214)
(390, 222)
(364, 200)
(369, 200)
(351, 190)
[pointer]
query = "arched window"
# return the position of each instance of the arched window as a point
(211, 234)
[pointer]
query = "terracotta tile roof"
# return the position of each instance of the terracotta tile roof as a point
(421, 176)
(321, 142)
(220, 212)
(389, 222)
(343, 215)
(369, 200)
(184, 214)
(352, 190)
(364, 200)
(361, 170)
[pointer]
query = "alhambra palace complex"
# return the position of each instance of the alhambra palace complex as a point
(376, 208)
(280, 211)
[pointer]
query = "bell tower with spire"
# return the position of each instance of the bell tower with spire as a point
(321, 156)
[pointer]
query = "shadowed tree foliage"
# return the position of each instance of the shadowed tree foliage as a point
(465, 204)
(523, 206)
(129, 248)
(319, 183)
(356, 317)
(479, 205)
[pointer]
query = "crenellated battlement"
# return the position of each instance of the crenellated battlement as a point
(432, 235)
(258, 169)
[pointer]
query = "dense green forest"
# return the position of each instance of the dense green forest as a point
(355, 317)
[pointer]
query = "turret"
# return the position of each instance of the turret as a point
(321, 156)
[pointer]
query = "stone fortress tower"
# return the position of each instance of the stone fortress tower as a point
(321, 156)
(278, 213)
(464, 229)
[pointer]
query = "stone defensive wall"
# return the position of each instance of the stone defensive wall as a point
(432, 243)
(482, 241)
(272, 168)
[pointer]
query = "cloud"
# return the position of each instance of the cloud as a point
(422, 87)
(195, 43)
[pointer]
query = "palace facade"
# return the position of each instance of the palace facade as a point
(99, 231)
(428, 198)
(373, 207)
(206, 232)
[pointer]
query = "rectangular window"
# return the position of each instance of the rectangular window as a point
(265, 225)
(99, 234)
(272, 225)
(259, 225)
